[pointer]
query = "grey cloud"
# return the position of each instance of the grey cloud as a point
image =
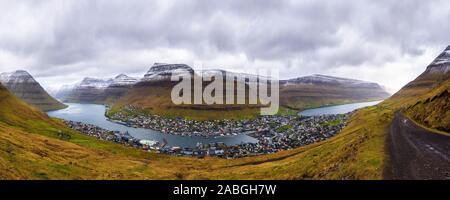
(74, 36)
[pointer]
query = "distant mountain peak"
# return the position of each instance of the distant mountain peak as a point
(21, 72)
(24, 86)
(123, 80)
(319, 79)
(441, 64)
(336, 78)
(164, 71)
(18, 76)
(120, 76)
(161, 67)
(326, 78)
(229, 75)
(95, 82)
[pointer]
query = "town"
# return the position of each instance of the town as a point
(184, 127)
(273, 133)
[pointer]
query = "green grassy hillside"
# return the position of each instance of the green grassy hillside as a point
(26, 88)
(155, 98)
(433, 111)
(33, 146)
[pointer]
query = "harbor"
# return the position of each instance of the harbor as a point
(224, 138)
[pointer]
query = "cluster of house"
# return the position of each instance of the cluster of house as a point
(213, 150)
(179, 126)
(277, 135)
(124, 138)
(214, 128)
(274, 133)
(103, 134)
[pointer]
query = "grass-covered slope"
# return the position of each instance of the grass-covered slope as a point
(433, 111)
(35, 95)
(155, 98)
(32, 146)
(36, 147)
(33, 149)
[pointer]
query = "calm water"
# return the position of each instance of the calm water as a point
(94, 114)
(341, 109)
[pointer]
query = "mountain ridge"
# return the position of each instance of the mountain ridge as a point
(24, 86)
(37, 151)
(298, 94)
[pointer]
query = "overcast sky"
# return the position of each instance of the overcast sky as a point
(60, 42)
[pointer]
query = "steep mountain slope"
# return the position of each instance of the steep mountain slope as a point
(418, 143)
(320, 90)
(62, 92)
(359, 151)
(89, 90)
(93, 90)
(119, 87)
(32, 146)
(432, 109)
(163, 71)
(153, 94)
(23, 85)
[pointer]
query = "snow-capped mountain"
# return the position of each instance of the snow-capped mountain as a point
(318, 90)
(25, 87)
(227, 75)
(95, 90)
(329, 80)
(435, 73)
(63, 91)
(94, 82)
(442, 63)
(88, 90)
(123, 80)
(162, 71)
(19, 76)
(119, 80)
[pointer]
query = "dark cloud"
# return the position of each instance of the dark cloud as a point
(299, 37)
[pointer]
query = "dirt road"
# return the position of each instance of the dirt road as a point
(416, 153)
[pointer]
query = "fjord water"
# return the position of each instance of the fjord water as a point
(95, 114)
(340, 109)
